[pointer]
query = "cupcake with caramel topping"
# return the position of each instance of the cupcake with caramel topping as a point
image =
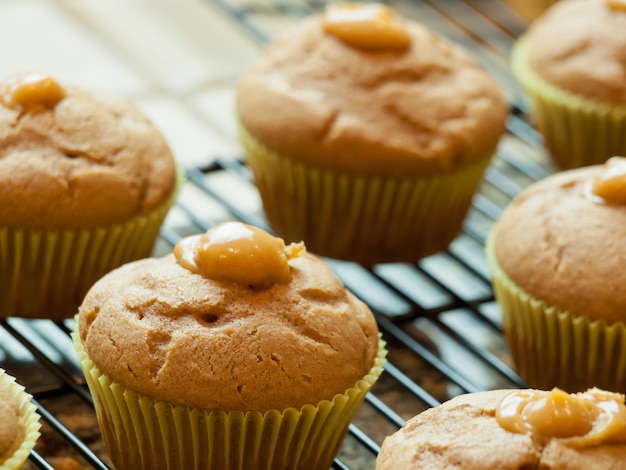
(234, 352)
(367, 134)
(557, 258)
(512, 430)
(571, 63)
(85, 183)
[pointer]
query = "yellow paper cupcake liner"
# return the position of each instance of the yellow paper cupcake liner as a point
(577, 131)
(556, 348)
(141, 433)
(367, 219)
(30, 418)
(46, 274)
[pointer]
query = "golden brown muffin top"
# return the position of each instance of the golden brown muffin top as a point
(580, 46)
(76, 159)
(464, 434)
(563, 244)
(11, 424)
(425, 108)
(174, 334)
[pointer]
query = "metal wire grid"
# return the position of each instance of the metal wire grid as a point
(438, 316)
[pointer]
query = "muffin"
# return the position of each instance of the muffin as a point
(19, 423)
(85, 183)
(234, 352)
(557, 260)
(571, 62)
(511, 430)
(367, 134)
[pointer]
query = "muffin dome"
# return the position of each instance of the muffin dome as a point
(413, 110)
(75, 159)
(580, 46)
(561, 243)
(176, 335)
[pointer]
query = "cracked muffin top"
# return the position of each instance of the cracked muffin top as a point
(75, 159)
(233, 320)
(513, 430)
(580, 46)
(561, 240)
(419, 105)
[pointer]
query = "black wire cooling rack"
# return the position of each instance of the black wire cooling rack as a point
(438, 316)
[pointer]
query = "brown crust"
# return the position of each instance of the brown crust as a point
(580, 46)
(422, 110)
(560, 246)
(460, 434)
(92, 160)
(176, 336)
(463, 434)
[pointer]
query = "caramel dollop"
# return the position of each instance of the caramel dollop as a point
(366, 26)
(616, 4)
(610, 185)
(32, 91)
(239, 253)
(588, 418)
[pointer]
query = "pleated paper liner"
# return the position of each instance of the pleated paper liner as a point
(30, 418)
(46, 274)
(555, 348)
(141, 433)
(367, 219)
(577, 131)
